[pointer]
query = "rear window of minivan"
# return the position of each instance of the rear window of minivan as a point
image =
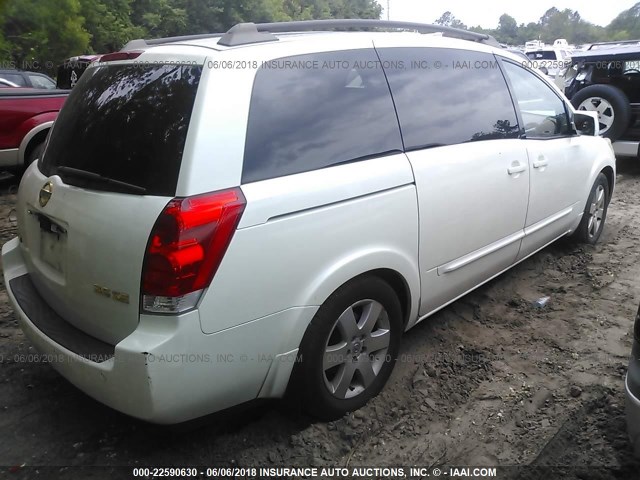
(123, 128)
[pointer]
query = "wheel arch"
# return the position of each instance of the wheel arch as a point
(32, 139)
(399, 285)
(611, 178)
(391, 266)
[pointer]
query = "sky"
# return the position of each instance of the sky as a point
(486, 13)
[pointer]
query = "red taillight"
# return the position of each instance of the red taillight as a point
(186, 246)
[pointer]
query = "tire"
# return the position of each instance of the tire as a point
(611, 105)
(34, 155)
(338, 370)
(595, 212)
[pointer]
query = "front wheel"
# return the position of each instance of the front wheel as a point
(595, 212)
(349, 349)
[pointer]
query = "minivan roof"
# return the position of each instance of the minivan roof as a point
(244, 34)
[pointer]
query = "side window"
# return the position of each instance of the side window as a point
(446, 96)
(15, 78)
(543, 112)
(313, 111)
(40, 81)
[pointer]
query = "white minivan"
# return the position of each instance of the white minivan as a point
(217, 219)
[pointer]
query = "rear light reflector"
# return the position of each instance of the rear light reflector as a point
(185, 248)
(112, 57)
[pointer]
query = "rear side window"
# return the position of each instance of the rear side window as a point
(126, 124)
(313, 111)
(446, 96)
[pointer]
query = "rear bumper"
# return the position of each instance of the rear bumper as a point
(169, 371)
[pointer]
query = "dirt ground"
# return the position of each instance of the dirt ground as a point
(490, 380)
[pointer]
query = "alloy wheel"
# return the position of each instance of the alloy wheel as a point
(356, 349)
(603, 108)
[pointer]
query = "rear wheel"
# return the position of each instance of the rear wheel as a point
(595, 212)
(349, 349)
(611, 105)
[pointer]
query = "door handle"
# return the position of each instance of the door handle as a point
(519, 168)
(540, 163)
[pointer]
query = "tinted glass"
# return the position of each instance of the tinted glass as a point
(127, 123)
(314, 111)
(542, 55)
(40, 81)
(445, 97)
(542, 111)
(15, 78)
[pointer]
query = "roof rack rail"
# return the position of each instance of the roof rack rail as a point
(248, 33)
(620, 42)
(297, 26)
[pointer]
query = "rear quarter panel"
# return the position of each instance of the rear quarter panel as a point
(303, 236)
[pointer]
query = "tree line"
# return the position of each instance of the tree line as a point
(52, 30)
(554, 24)
(49, 31)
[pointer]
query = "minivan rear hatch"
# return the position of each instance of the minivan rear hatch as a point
(110, 167)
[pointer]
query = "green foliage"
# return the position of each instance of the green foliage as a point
(626, 26)
(447, 19)
(52, 30)
(42, 31)
(109, 24)
(554, 24)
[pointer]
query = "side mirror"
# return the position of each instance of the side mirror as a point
(586, 123)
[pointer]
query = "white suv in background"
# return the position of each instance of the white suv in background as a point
(223, 218)
(552, 61)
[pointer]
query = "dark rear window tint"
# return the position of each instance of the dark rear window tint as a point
(313, 111)
(446, 96)
(127, 123)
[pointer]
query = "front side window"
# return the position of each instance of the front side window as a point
(446, 96)
(317, 110)
(543, 112)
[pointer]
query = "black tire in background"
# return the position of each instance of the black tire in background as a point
(34, 155)
(619, 102)
(595, 212)
(311, 385)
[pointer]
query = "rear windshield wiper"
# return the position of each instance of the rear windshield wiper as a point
(96, 177)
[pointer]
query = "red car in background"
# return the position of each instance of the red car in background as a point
(26, 116)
